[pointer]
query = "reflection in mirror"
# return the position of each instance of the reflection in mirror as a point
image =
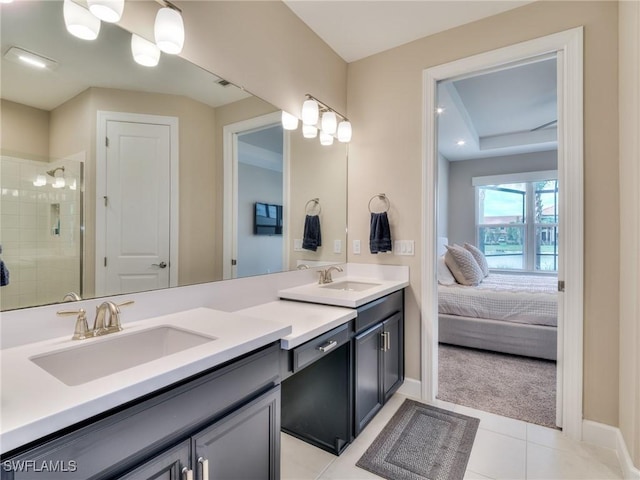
(147, 208)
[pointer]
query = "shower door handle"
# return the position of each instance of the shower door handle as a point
(161, 265)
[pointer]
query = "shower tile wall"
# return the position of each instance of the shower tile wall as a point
(39, 232)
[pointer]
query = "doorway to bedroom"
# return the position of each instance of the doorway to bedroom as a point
(505, 183)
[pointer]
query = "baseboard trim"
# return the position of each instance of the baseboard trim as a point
(411, 388)
(611, 437)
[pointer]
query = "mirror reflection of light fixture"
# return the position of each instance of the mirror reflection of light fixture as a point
(309, 131)
(326, 138)
(144, 52)
(310, 112)
(344, 131)
(289, 122)
(40, 181)
(329, 122)
(80, 22)
(107, 10)
(58, 180)
(169, 29)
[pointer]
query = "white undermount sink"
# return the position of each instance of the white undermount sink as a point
(350, 286)
(106, 355)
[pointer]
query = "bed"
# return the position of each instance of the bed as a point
(508, 313)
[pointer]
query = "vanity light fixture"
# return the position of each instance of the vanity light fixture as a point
(79, 21)
(309, 131)
(329, 124)
(310, 111)
(144, 52)
(108, 10)
(344, 131)
(326, 139)
(169, 29)
(289, 122)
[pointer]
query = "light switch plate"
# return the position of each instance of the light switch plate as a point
(356, 247)
(404, 247)
(337, 246)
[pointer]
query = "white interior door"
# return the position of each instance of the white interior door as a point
(137, 207)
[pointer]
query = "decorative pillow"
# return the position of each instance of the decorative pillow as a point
(444, 274)
(479, 257)
(463, 266)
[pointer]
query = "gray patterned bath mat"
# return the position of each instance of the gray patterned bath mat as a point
(422, 442)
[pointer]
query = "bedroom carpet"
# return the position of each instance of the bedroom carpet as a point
(509, 385)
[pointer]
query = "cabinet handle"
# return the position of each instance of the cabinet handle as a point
(387, 337)
(187, 474)
(327, 346)
(204, 465)
(383, 336)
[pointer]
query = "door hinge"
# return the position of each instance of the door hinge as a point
(105, 261)
(106, 141)
(234, 262)
(561, 285)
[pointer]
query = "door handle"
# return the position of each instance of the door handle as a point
(187, 474)
(161, 265)
(204, 465)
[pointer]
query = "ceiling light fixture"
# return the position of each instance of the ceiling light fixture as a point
(169, 29)
(79, 21)
(311, 109)
(289, 122)
(22, 56)
(144, 52)
(108, 10)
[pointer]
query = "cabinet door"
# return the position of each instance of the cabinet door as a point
(244, 445)
(166, 466)
(368, 368)
(393, 358)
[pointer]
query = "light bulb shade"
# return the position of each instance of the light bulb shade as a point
(169, 30)
(59, 182)
(344, 131)
(144, 52)
(309, 131)
(310, 112)
(329, 122)
(326, 139)
(40, 181)
(289, 122)
(107, 10)
(80, 22)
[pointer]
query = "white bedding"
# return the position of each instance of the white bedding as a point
(530, 299)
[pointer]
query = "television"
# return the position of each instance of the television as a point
(267, 219)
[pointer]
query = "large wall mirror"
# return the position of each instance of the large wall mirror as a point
(118, 178)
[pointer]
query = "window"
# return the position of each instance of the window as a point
(517, 221)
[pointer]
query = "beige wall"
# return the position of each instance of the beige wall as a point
(24, 131)
(629, 16)
(385, 106)
(73, 127)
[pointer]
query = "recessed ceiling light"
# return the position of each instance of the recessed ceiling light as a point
(460, 143)
(19, 55)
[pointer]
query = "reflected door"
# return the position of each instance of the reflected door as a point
(137, 207)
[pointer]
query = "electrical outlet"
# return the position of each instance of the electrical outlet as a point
(337, 246)
(404, 247)
(297, 244)
(356, 247)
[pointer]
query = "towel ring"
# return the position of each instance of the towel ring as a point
(316, 203)
(382, 197)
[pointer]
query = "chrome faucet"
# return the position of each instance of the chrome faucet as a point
(102, 324)
(325, 275)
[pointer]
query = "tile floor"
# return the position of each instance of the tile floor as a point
(503, 449)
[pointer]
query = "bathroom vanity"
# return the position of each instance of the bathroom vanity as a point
(319, 371)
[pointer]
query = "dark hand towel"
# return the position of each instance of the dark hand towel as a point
(4, 274)
(311, 238)
(380, 233)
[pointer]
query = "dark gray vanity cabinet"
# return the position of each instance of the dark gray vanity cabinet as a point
(226, 419)
(379, 355)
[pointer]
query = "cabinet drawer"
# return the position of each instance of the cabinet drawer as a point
(379, 310)
(320, 346)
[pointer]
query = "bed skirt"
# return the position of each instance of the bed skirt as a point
(516, 338)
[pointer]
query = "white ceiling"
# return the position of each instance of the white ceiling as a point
(355, 29)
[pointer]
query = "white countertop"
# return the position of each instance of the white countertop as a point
(35, 403)
(308, 320)
(323, 294)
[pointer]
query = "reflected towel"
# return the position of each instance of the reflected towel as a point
(4, 274)
(311, 238)
(380, 233)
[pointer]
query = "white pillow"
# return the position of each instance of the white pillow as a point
(444, 274)
(463, 266)
(479, 257)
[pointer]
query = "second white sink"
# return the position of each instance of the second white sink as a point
(350, 286)
(107, 355)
